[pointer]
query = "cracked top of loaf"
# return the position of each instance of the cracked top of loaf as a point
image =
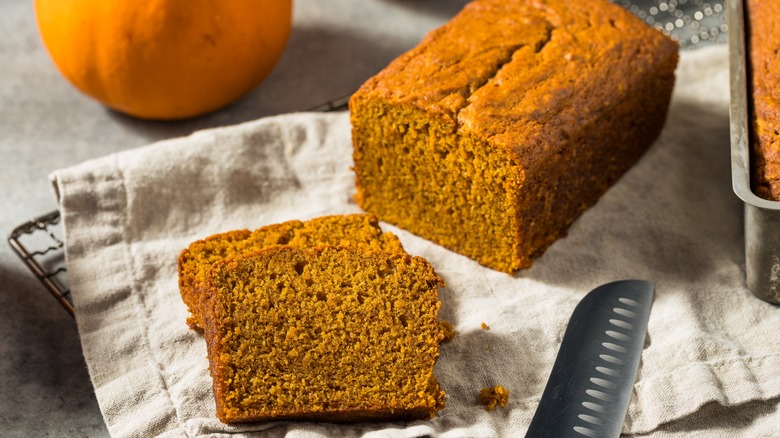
(519, 72)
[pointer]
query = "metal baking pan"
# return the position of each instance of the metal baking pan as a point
(762, 217)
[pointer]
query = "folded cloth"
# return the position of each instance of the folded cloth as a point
(710, 366)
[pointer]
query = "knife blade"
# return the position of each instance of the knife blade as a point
(589, 388)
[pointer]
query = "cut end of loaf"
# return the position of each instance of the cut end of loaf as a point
(496, 132)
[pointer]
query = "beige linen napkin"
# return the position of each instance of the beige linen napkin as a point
(710, 367)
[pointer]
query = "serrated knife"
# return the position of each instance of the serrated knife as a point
(590, 385)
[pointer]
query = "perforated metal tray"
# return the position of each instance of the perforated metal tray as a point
(693, 23)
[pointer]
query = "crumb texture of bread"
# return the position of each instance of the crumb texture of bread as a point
(325, 333)
(358, 230)
(763, 26)
(502, 126)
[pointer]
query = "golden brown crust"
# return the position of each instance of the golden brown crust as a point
(764, 45)
(192, 261)
(361, 230)
(325, 333)
(502, 126)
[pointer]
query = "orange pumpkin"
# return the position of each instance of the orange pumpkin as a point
(164, 59)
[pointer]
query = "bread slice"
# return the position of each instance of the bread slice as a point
(325, 333)
(359, 230)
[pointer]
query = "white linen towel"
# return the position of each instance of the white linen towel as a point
(710, 367)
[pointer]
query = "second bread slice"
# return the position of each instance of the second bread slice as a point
(358, 230)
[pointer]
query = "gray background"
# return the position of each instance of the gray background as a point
(45, 124)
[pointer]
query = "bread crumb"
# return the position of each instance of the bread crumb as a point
(449, 331)
(496, 395)
(485, 326)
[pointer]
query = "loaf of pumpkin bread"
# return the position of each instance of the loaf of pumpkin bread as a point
(358, 230)
(764, 45)
(325, 333)
(501, 127)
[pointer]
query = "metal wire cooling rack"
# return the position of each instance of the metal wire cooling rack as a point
(693, 23)
(36, 242)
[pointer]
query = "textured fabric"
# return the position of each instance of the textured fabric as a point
(709, 367)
